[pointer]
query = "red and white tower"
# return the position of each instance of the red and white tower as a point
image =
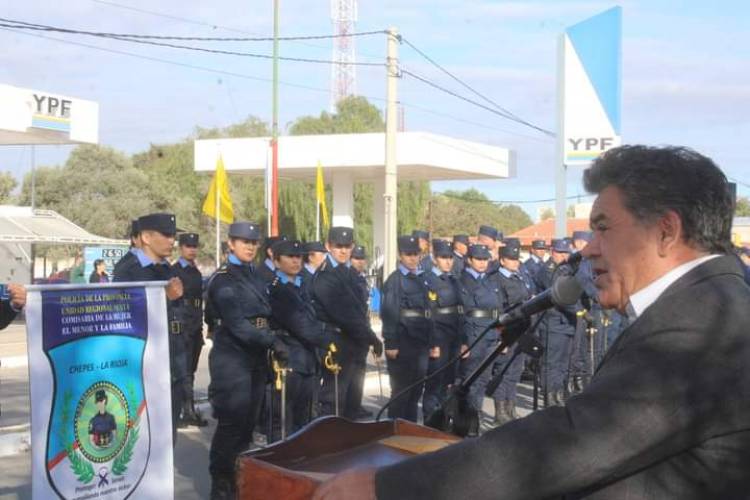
(343, 73)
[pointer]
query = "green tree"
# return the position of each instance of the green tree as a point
(357, 115)
(454, 212)
(743, 207)
(547, 213)
(7, 184)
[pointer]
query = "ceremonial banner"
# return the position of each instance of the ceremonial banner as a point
(101, 424)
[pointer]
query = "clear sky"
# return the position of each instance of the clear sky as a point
(686, 77)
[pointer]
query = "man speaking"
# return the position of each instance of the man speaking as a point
(667, 414)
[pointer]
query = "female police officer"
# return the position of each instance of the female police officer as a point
(238, 300)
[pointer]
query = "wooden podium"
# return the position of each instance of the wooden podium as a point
(293, 469)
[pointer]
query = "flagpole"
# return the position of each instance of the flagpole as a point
(218, 227)
(317, 214)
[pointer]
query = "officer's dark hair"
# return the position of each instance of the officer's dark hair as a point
(654, 180)
(98, 262)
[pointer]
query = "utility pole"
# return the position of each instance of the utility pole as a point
(391, 172)
(275, 126)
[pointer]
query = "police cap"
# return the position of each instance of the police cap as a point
(461, 238)
(359, 252)
(421, 234)
(560, 246)
(512, 241)
(340, 235)
(291, 248)
(134, 229)
(245, 230)
(511, 250)
(539, 245)
(441, 248)
(189, 239)
(314, 246)
(408, 244)
(488, 231)
(478, 251)
(164, 223)
(582, 235)
(100, 395)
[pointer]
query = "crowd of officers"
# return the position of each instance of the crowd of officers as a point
(291, 332)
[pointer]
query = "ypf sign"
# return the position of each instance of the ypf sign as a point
(590, 87)
(51, 112)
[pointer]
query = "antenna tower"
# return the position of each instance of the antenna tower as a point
(343, 73)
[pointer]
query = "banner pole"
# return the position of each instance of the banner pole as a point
(218, 226)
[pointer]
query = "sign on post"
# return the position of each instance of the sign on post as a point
(101, 423)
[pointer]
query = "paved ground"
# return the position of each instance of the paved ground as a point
(191, 454)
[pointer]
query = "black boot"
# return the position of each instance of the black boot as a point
(501, 412)
(190, 416)
(222, 487)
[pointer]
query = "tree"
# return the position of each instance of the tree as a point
(547, 213)
(7, 184)
(357, 115)
(454, 212)
(743, 207)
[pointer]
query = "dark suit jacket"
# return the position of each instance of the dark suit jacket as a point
(666, 416)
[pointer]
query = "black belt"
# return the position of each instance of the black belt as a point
(192, 302)
(484, 313)
(415, 313)
(449, 310)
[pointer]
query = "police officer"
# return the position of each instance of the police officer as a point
(517, 289)
(488, 237)
(337, 298)
(447, 315)
(460, 247)
(315, 253)
(157, 234)
(407, 329)
(556, 329)
(102, 426)
(300, 330)
(482, 300)
(238, 364)
(535, 263)
(192, 325)
(11, 306)
(359, 266)
(266, 269)
(425, 259)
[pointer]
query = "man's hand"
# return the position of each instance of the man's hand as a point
(435, 352)
(17, 294)
(174, 289)
(391, 353)
(350, 485)
(377, 347)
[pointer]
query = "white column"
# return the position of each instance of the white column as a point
(378, 219)
(343, 199)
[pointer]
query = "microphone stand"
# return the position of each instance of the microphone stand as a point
(457, 415)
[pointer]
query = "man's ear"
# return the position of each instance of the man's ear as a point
(670, 232)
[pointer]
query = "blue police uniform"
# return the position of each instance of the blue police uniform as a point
(302, 332)
(356, 392)
(459, 261)
(140, 267)
(406, 327)
(238, 364)
(192, 324)
(447, 316)
(7, 313)
(482, 300)
(102, 429)
(556, 330)
(517, 289)
(337, 298)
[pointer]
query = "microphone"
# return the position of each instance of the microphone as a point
(565, 291)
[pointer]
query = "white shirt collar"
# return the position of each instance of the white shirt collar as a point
(646, 296)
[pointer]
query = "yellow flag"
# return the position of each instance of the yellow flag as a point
(219, 185)
(320, 194)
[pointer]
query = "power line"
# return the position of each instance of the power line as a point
(508, 202)
(210, 25)
(183, 47)
(457, 79)
(193, 38)
(471, 101)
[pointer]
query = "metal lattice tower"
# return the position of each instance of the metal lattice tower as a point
(343, 74)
